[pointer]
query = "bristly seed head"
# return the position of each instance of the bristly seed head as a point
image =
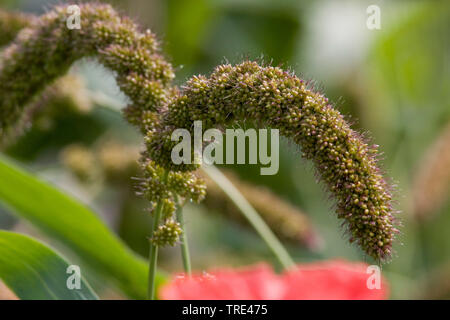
(280, 100)
(167, 234)
(269, 95)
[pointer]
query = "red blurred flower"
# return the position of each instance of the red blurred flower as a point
(337, 280)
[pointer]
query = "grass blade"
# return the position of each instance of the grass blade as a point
(74, 224)
(35, 272)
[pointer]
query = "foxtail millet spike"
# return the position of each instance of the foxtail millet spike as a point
(273, 97)
(278, 99)
(44, 52)
(11, 23)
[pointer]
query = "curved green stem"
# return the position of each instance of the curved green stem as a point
(184, 243)
(153, 257)
(251, 215)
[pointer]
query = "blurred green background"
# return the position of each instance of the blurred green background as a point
(392, 83)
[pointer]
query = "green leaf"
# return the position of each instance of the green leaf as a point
(69, 221)
(33, 271)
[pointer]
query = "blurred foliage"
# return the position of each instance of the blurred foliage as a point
(75, 225)
(38, 273)
(393, 82)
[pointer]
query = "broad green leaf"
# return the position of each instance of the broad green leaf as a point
(35, 272)
(71, 222)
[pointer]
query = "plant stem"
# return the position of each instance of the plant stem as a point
(153, 257)
(184, 243)
(251, 215)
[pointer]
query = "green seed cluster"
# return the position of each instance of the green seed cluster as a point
(45, 50)
(276, 98)
(42, 53)
(270, 96)
(155, 187)
(66, 96)
(167, 234)
(11, 24)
